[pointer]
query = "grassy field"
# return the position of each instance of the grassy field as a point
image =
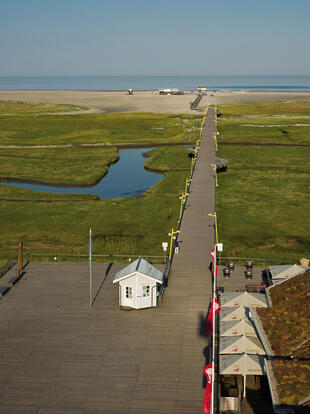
(168, 159)
(263, 198)
(120, 226)
(57, 165)
(265, 123)
(113, 128)
(23, 108)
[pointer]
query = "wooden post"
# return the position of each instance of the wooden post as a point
(20, 256)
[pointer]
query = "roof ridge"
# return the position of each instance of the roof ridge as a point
(138, 263)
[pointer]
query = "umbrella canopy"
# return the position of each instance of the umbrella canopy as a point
(286, 271)
(241, 345)
(242, 364)
(237, 328)
(234, 313)
(233, 299)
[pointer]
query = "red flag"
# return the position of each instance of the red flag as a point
(208, 373)
(212, 253)
(215, 269)
(209, 323)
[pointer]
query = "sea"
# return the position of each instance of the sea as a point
(152, 83)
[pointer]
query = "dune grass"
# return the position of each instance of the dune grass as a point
(263, 198)
(22, 108)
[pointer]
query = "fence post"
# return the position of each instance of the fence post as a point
(20, 256)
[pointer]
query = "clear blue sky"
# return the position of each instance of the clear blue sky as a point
(155, 37)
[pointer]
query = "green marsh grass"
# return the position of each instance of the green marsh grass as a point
(112, 128)
(263, 198)
(57, 165)
(120, 226)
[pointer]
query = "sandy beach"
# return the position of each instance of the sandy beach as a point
(105, 101)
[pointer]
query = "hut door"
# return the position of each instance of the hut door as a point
(127, 296)
(146, 296)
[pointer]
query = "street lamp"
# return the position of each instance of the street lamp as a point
(183, 199)
(187, 181)
(192, 165)
(215, 223)
(172, 237)
(215, 141)
(214, 168)
(165, 247)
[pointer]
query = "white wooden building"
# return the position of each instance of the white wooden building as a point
(138, 284)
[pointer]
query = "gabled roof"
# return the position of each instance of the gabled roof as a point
(237, 328)
(243, 364)
(142, 266)
(286, 271)
(240, 345)
(234, 313)
(231, 299)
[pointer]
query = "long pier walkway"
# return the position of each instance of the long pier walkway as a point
(61, 356)
(178, 346)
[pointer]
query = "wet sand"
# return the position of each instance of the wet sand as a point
(104, 101)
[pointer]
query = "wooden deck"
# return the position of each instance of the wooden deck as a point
(58, 356)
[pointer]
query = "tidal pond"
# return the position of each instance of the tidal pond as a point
(126, 178)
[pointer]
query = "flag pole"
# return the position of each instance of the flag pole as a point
(213, 327)
(90, 269)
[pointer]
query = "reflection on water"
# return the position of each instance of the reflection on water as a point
(126, 178)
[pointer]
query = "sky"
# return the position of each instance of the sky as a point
(154, 37)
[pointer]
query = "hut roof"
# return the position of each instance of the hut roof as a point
(142, 266)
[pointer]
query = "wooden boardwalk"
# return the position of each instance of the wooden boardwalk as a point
(58, 356)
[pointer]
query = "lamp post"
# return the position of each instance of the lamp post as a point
(183, 199)
(187, 181)
(192, 165)
(172, 237)
(217, 137)
(165, 246)
(215, 224)
(215, 141)
(214, 168)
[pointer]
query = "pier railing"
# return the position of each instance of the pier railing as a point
(8, 265)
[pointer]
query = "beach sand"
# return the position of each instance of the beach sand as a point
(104, 101)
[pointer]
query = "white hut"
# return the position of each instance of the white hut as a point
(138, 284)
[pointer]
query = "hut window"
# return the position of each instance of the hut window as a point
(146, 291)
(128, 292)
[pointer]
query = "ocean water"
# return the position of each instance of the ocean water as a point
(151, 83)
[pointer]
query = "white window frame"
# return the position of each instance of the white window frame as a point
(146, 291)
(128, 292)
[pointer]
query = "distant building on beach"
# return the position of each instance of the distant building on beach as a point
(170, 91)
(202, 89)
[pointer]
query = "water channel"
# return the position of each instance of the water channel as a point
(126, 178)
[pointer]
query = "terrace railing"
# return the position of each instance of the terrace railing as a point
(241, 261)
(96, 258)
(8, 265)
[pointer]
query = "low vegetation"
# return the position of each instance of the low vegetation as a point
(114, 128)
(52, 224)
(286, 323)
(22, 108)
(168, 159)
(57, 165)
(263, 198)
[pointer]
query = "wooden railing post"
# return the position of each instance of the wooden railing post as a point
(20, 257)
